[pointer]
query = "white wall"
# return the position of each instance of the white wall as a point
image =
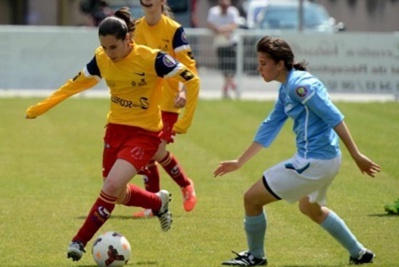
(43, 58)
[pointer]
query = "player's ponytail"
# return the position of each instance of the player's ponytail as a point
(117, 25)
(124, 14)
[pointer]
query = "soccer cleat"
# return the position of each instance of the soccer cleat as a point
(245, 259)
(392, 208)
(164, 216)
(143, 214)
(365, 256)
(75, 250)
(189, 197)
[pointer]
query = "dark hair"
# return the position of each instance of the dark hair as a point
(118, 25)
(278, 49)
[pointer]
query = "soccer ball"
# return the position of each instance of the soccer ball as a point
(111, 249)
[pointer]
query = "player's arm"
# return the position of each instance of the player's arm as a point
(182, 50)
(265, 135)
(363, 162)
(85, 79)
(317, 100)
(169, 68)
(232, 165)
(183, 53)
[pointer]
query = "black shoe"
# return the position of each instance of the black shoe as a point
(366, 256)
(75, 250)
(245, 259)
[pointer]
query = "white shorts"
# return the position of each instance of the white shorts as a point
(297, 177)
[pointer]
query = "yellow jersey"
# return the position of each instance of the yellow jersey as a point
(135, 85)
(168, 36)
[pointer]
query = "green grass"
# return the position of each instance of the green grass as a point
(50, 174)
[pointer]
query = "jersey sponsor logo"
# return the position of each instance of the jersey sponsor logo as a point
(187, 75)
(169, 61)
(142, 103)
(301, 91)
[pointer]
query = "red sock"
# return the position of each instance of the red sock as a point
(98, 215)
(172, 167)
(151, 177)
(137, 197)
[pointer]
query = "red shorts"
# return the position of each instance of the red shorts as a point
(169, 119)
(133, 144)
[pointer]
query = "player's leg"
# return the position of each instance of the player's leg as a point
(255, 224)
(113, 186)
(151, 179)
(322, 173)
(170, 163)
(171, 166)
(337, 228)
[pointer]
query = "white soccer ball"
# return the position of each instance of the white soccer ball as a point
(111, 249)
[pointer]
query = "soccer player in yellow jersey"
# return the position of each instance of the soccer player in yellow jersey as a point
(134, 75)
(158, 30)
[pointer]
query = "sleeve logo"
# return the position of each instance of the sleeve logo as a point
(301, 91)
(187, 75)
(184, 38)
(169, 61)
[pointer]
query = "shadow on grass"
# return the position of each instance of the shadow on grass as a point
(146, 263)
(317, 265)
(384, 215)
(121, 217)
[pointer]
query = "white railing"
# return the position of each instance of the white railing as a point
(39, 59)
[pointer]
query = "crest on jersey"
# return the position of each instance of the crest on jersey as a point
(301, 91)
(169, 61)
(184, 38)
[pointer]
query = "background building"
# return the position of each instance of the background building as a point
(358, 15)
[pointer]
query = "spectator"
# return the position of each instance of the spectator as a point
(223, 19)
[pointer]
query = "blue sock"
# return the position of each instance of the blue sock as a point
(336, 227)
(255, 228)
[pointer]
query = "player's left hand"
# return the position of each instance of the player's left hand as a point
(366, 165)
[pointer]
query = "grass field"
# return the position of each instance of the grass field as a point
(50, 174)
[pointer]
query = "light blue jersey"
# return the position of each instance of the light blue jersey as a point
(304, 99)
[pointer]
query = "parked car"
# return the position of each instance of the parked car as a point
(281, 16)
(284, 15)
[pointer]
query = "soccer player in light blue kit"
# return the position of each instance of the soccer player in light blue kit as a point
(305, 177)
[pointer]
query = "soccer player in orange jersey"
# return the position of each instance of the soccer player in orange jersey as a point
(134, 75)
(158, 30)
